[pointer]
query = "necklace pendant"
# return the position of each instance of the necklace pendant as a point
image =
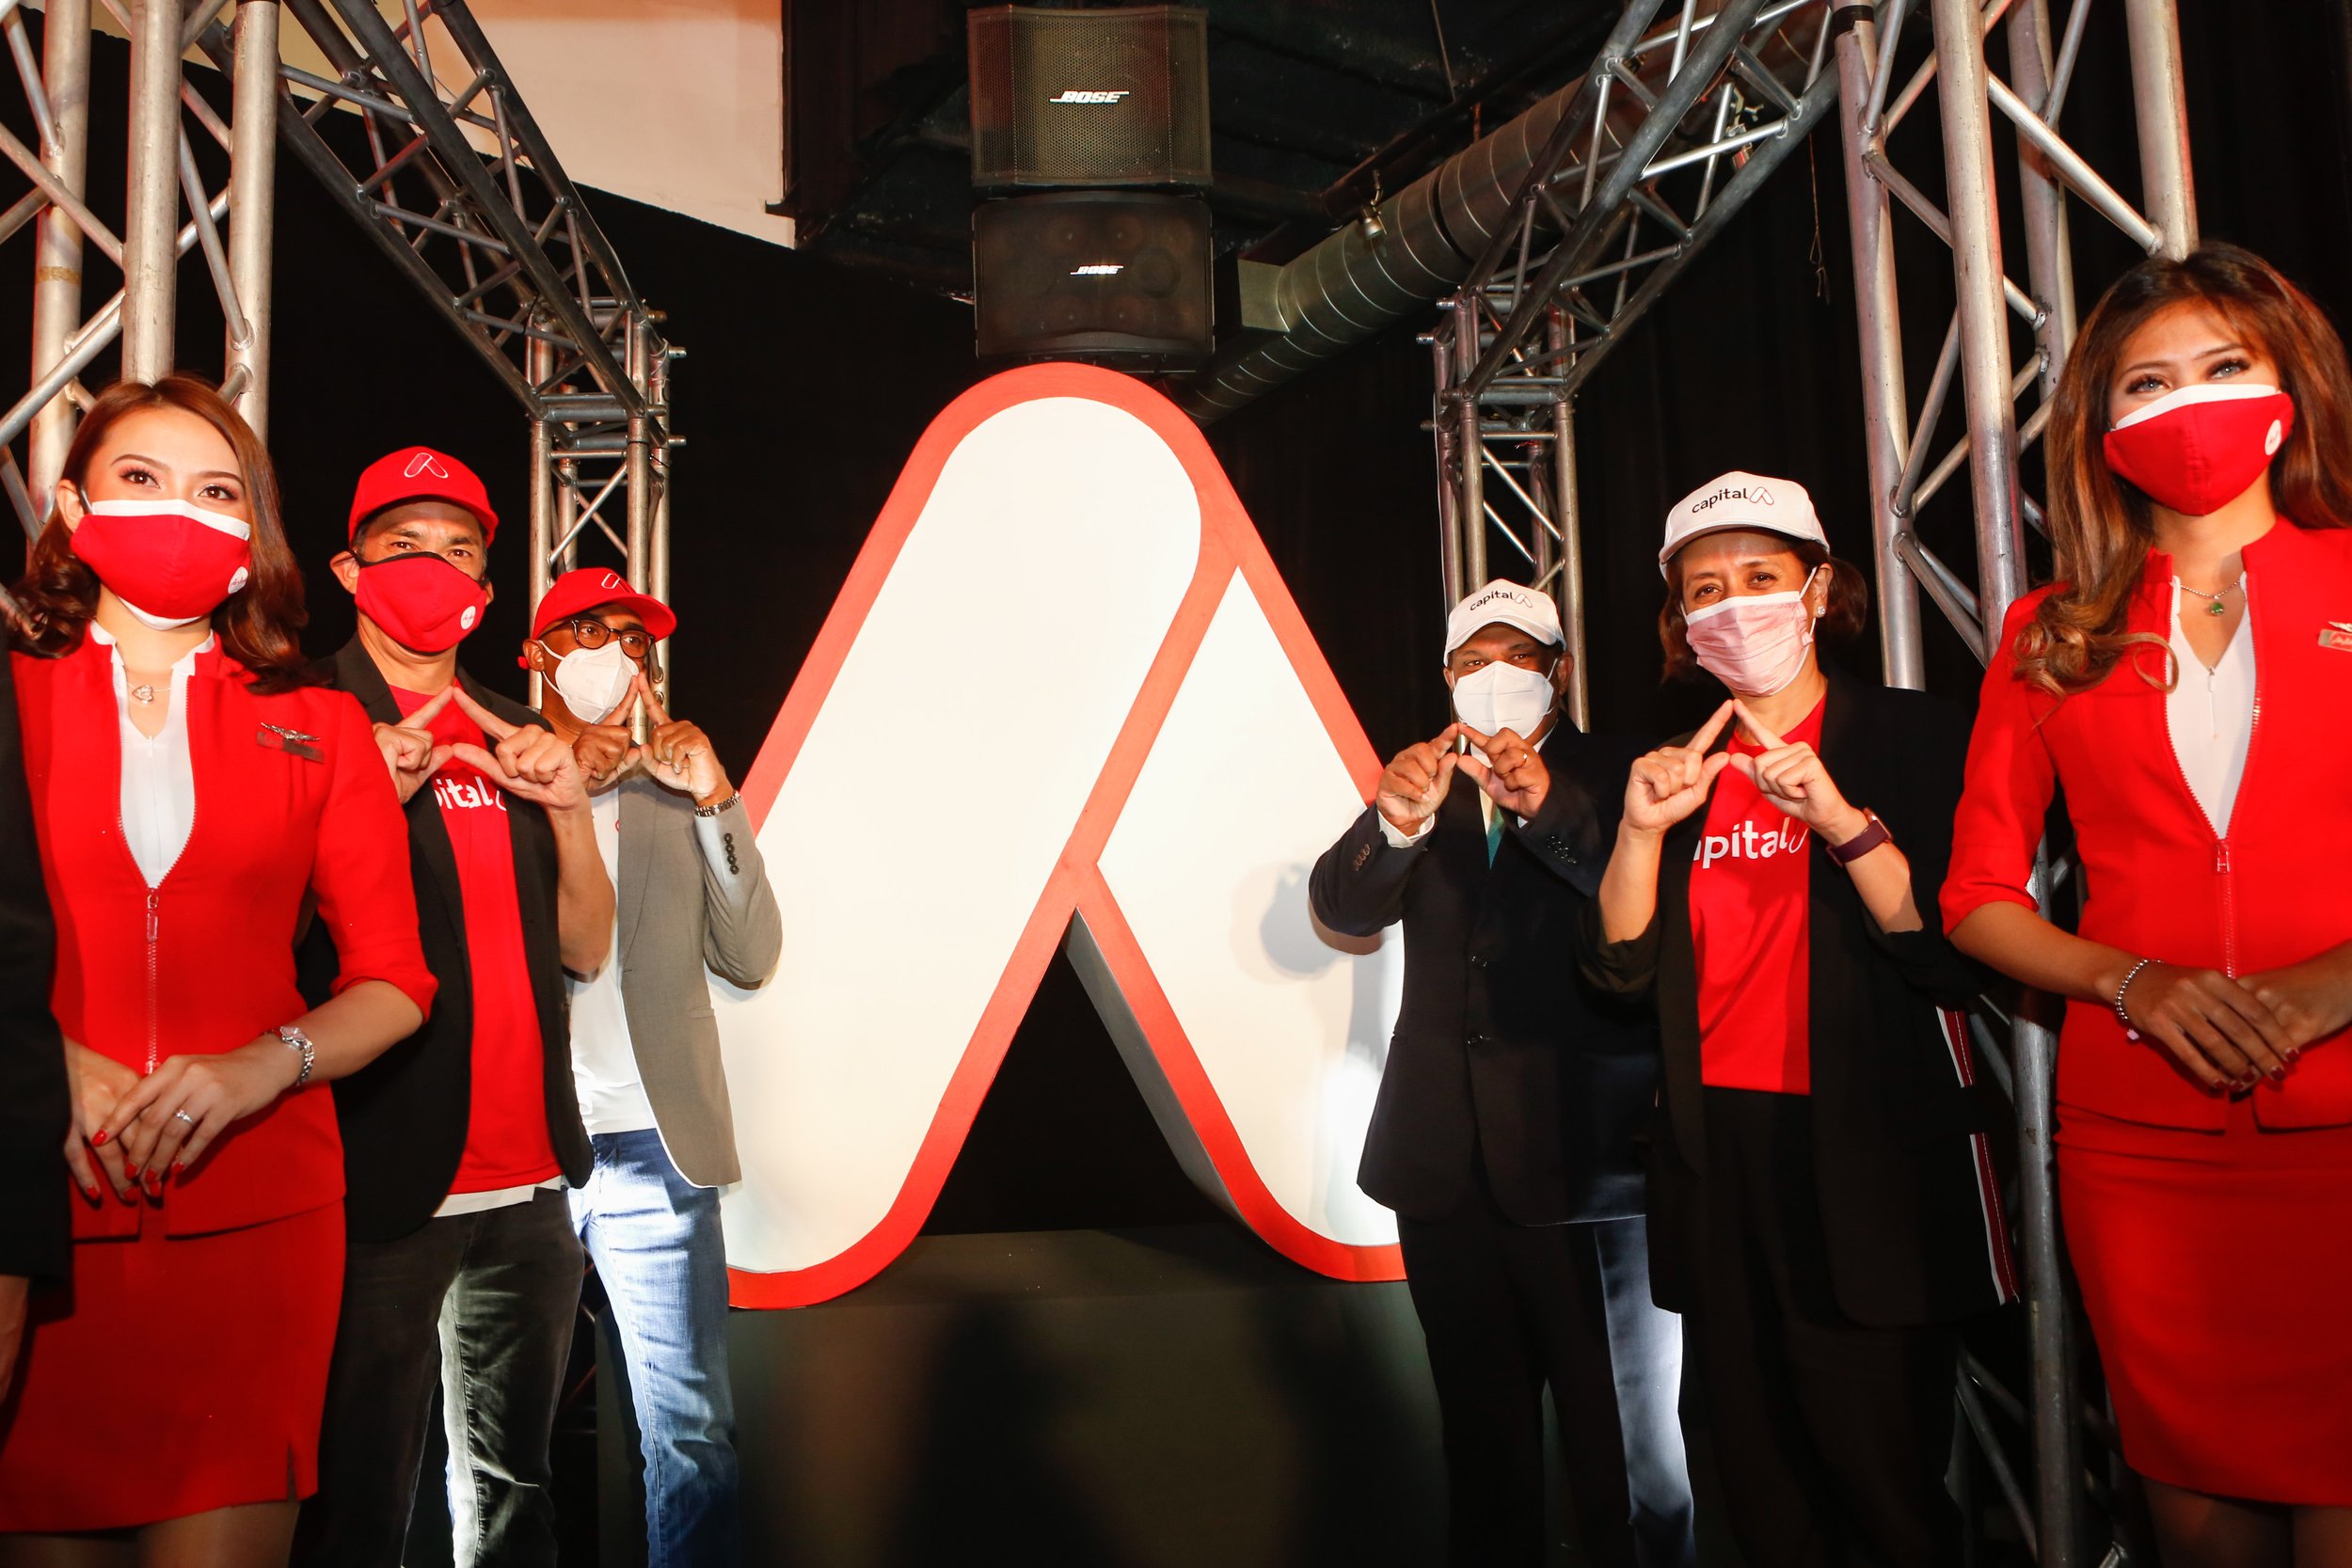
(2217, 608)
(143, 694)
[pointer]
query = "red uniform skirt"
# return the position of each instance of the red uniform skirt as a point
(179, 1374)
(2217, 1270)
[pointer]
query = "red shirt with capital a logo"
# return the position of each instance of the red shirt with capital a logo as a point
(506, 1130)
(1750, 903)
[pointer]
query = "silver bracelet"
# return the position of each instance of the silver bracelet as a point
(292, 1037)
(713, 811)
(2131, 1030)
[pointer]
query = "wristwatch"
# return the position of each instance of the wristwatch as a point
(1869, 838)
(294, 1040)
(713, 811)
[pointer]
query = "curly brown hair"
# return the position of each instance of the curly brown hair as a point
(257, 624)
(2100, 527)
(1840, 622)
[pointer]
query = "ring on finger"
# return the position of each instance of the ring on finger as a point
(183, 1115)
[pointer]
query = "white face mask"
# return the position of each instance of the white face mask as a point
(593, 681)
(1502, 697)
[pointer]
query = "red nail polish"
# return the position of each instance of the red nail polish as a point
(99, 1141)
(179, 1166)
(92, 1192)
(133, 1173)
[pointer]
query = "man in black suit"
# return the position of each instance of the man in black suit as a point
(462, 1263)
(1503, 1131)
(33, 1115)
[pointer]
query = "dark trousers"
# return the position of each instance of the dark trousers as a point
(488, 1299)
(1833, 1437)
(1508, 1310)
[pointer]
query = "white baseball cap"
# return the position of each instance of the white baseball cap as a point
(1741, 499)
(1514, 604)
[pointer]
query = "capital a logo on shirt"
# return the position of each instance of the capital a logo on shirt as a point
(1744, 842)
(466, 791)
(1063, 699)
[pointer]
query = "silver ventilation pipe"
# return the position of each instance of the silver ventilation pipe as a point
(1361, 279)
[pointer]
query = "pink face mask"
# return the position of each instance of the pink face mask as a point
(1753, 643)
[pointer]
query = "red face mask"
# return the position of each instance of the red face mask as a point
(167, 562)
(2197, 450)
(421, 600)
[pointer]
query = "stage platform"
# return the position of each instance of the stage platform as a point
(1158, 1396)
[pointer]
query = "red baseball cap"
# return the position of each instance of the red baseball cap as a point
(592, 588)
(419, 474)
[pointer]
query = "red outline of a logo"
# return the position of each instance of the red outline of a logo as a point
(1228, 542)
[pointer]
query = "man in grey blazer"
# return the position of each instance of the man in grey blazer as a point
(691, 895)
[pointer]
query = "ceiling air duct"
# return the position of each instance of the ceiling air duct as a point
(1367, 277)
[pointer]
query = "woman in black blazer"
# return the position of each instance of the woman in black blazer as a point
(1822, 1203)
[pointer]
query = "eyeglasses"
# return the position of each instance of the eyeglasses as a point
(591, 633)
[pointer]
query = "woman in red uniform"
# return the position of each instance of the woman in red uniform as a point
(188, 789)
(2185, 682)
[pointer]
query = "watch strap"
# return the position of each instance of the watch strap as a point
(1873, 834)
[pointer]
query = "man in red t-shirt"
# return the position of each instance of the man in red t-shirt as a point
(462, 1263)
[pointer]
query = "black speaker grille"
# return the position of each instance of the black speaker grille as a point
(1116, 276)
(1089, 98)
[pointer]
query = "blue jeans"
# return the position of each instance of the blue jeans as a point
(1645, 1356)
(654, 1238)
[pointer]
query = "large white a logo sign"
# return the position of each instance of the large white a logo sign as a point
(1062, 696)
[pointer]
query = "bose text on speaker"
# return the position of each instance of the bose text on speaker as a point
(1069, 98)
(1119, 278)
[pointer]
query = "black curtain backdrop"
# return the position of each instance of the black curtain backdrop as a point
(807, 385)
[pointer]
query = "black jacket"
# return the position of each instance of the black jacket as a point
(1901, 1139)
(404, 1114)
(1499, 1053)
(33, 1114)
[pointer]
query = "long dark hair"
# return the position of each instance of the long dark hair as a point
(257, 624)
(2100, 528)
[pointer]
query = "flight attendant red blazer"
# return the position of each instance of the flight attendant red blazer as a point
(291, 795)
(2161, 882)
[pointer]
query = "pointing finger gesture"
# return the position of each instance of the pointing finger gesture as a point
(1415, 782)
(1513, 775)
(1672, 782)
(1793, 777)
(644, 688)
(525, 760)
(408, 749)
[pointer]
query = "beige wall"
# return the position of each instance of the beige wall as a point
(678, 104)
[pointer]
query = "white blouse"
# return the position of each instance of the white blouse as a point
(158, 777)
(2211, 714)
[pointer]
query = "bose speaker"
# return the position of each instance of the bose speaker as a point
(1119, 278)
(1070, 98)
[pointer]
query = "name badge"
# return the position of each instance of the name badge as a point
(2336, 635)
(293, 742)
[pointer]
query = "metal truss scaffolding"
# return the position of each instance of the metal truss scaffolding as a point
(456, 185)
(1630, 186)
(1994, 368)
(1673, 128)
(145, 243)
